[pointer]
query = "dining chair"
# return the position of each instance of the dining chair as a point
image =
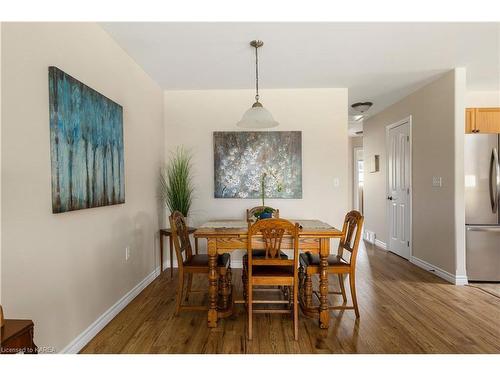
(337, 264)
(272, 269)
(190, 264)
(251, 218)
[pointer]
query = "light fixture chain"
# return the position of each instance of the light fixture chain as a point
(256, 74)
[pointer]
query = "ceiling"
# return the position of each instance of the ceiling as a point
(379, 62)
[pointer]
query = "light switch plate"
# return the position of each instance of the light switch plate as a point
(336, 182)
(437, 181)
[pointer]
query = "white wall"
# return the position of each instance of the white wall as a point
(479, 99)
(191, 117)
(437, 128)
(65, 270)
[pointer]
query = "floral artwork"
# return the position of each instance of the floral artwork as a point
(242, 158)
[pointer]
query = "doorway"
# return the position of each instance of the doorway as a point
(359, 177)
(399, 189)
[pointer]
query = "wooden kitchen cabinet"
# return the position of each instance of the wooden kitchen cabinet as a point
(469, 120)
(482, 120)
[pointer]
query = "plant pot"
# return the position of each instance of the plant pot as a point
(265, 215)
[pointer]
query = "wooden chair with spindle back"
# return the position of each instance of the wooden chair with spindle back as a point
(272, 269)
(190, 264)
(251, 218)
(337, 264)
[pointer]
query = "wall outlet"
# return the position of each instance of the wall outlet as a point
(437, 181)
(127, 253)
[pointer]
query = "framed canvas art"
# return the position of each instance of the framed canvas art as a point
(86, 145)
(241, 159)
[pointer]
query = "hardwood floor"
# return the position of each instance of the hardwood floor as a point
(403, 308)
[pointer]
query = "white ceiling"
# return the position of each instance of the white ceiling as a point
(380, 62)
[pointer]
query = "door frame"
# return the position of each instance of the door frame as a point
(388, 229)
(355, 174)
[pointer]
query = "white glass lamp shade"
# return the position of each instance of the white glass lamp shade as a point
(257, 117)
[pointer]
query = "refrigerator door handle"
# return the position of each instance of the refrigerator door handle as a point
(483, 229)
(494, 181)
(498, 178)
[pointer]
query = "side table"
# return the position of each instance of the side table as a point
(17, 336)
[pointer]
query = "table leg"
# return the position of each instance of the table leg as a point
(161, 252)
(171, 247)
(324, 315)
(212, 282)
(196, 245)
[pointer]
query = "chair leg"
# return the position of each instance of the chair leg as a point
(244, 280)
(295, 311)
(352, 283)
(308, 290)
(180, 290)
(301, 281)
(189, 286)
(223, 289)
(250, 310)
(229, 278)
(290, 297)
(342, 286)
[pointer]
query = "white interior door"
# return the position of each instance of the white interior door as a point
(398, 188)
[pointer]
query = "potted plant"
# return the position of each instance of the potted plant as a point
(176, 182)
(266, 212)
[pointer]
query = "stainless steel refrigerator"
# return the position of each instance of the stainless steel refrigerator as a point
(482, 214)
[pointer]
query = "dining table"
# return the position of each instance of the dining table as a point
(225, 236)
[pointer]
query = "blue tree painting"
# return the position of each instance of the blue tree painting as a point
(86, 145)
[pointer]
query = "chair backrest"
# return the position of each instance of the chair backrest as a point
(252, 211)
(271, 233)
(353, 225)
(180, 237)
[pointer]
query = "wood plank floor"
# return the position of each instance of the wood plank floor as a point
(404, 309)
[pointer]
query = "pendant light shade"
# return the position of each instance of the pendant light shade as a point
(257, 117)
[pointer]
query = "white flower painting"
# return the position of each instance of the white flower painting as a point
(242, 158)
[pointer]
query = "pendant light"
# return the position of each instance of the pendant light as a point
(257, 117)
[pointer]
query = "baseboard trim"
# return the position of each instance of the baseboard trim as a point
(166, 264)
(91, 331)
(461, 280)
(381, 244)
(445, 275)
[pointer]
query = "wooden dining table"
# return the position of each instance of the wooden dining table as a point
(225, 236)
